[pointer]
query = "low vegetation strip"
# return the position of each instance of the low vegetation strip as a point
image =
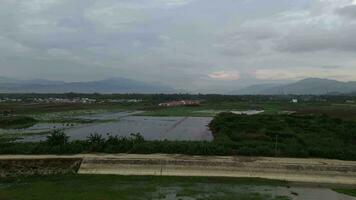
(109, 187)
(15, 122)
(286, 135)
(14, 166)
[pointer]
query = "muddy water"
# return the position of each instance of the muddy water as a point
(108, 115)
(37, 128)
(151, 128)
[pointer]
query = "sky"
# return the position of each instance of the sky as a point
(192, 45)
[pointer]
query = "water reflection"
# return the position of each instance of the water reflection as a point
(151, 128)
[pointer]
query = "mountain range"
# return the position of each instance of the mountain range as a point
(112, 85)
(312, 86)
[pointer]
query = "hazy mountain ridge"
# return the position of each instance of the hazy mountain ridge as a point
(113, 85)
(313, 86)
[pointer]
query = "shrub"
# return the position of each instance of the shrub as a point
(57, 137)
(137, 138)
(96, 142)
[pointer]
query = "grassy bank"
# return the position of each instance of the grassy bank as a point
(286, 135)
(16, 122)
(350, 192)
(95, 187)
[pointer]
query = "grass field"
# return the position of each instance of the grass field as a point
(29, 109)
(342, 110)
(350, 192)
(345, 111)
(287, 135)
(208, 109)
(16, 122)
(107, 187)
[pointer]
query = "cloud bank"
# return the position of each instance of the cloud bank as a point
(194, 45)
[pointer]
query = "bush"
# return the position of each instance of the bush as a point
(298, 136)
(96, 142)
(57, 138)
(137, 138)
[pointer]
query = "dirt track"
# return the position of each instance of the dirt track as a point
(290, 169)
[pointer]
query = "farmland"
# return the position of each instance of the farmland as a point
(315, 126)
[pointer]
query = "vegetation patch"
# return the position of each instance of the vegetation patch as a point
(93, 187)
(351, 192)
(16, 122)
(286, 135)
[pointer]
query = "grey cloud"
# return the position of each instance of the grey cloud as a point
(331, 67)
(179, 42)
(309, 40)
(347, 11)
(252, 40)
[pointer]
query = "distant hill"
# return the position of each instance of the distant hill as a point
(314, 86)
(113, 85)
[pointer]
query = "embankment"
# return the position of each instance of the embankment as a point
(316, 171)
(12, 166)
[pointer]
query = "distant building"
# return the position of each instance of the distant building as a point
(294, 101)
(180, 103)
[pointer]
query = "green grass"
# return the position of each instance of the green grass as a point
(351, 192)
(16, 122)
(29, 109)
(202, 110)
(177, 111)
(344, 111)
(286, 135)
(107, 187)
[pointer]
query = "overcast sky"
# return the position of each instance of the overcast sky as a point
(195, 45)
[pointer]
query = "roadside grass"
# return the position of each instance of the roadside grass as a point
(350, 192)
(97, 187)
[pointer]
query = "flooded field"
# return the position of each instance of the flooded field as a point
(38, 128)
(151, 128)
(125, 123)
(244, 112)
(107, 115)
